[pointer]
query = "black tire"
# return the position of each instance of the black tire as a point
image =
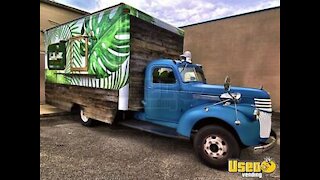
(222, 145)
(85, 120)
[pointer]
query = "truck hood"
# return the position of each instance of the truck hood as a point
(217, 90)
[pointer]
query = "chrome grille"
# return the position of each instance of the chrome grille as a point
(263, 104)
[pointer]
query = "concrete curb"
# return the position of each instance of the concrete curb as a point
(47, 110)
(54, 114)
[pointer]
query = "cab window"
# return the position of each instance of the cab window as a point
(163, 75)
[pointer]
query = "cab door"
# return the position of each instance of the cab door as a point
(162, 95)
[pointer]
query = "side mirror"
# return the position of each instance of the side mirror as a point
(227, 83)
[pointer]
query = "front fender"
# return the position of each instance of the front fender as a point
(248, 130)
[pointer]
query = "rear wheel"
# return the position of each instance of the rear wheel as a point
(86, 121)
(214, 145)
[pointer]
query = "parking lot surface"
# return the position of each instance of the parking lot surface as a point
(69, 150)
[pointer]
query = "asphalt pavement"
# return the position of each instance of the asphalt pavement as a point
(69, 150)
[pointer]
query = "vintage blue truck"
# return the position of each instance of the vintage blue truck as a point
(122, 66)
(220, 120)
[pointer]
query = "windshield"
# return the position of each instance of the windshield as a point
(191, 74)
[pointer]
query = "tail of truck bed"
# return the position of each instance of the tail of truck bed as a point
(97, 62)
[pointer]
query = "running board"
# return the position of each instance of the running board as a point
(152, 128)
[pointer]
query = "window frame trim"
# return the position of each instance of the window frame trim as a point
(71, 40)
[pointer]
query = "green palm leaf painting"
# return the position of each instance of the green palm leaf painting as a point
(109, 40)
(108, 50)
(62, 33)
(106, 35)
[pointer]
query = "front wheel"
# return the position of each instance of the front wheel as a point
(86, 121)
(214, 145)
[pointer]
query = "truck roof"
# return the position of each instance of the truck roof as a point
(171, 62)
(162, 62)
(133, 12)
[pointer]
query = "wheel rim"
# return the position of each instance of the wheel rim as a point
(83, 117)
(215, 147)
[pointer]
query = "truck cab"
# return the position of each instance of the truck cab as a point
(219, 119)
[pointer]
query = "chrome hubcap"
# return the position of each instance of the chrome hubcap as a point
(215, 147)
(83, 117)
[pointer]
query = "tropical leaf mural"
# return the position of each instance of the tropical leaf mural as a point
(109, 40)
(61, 33)
(108, 48)
(108, 52)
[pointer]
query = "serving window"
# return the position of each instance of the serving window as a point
(78, 53)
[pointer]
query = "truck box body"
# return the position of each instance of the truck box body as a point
(97, 62)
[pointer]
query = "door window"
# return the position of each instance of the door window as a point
(163, 75)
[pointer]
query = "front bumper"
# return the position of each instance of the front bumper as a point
(269, 144)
